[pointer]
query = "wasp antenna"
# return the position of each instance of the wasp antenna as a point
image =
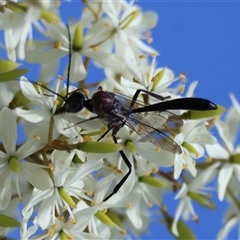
(70, 58)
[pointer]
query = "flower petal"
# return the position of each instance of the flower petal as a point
(8, 130)
(5, 187)
(29, 147)
(224, 176)
(35, 175)
(31, 94)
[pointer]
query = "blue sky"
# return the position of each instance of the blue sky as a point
(202, 39)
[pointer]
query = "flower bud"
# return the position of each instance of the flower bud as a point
(130, 146)
(157, 79)
(115, 218)
(66, 197)
(190, 148)
(235, 158)
(201, 199)
(6, 221)
(77, 38)
(11, 75)
(104, 219)
(192, 114)
(14, 164)
(152, 181)
(100, 147)
(7, 65)
(49, 17)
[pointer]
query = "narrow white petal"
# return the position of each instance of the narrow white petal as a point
(8, 130)
(5, 187)
(28, 148)
(130, 86)
(134, 215)
(182, 192)
(64, 127)
(142, 46)
(178, 213)
(10, 46)
(31, 94)
(105, 59)
(45, 213)
(217, 151)
(224, 176)
(235, 103)
(34, 115)
(84, 215)
(236, 168)
(48, 71)
(178, 165)
(35, 175)
(224, 133)
(149, 152)
(85, 169)
(39, 197)
(204, 177)
(3, 158)
(102, 187)
(77, 71)
(223, 233)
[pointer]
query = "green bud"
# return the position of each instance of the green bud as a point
(157, 79)
(201, 199)
(12, 75)
(100, 132)
(6, 221)
(20, 7)
(152, 181)
(66, 197)
(130, 146)
(190, 148)
(7, 65)
(100, 147)
(49, 17)
(104, 219)
(78, 38)
(19, 100)
(191, 114)
(115, 218)
(63, 236)
(183, 230)
(76, 159)
(14, 164)
(235, 158)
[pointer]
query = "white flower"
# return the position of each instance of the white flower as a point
(43, 115)
(6, 96)
(129, 25)
(228, 131)
(197, 185)
(49, 53)
(17, 30)
(192, 139)
(68, 182)
(71, 228)
(145, 75)
(11, 163)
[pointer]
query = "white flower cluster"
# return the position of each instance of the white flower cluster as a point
(61, 173)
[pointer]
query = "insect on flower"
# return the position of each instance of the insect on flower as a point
(151, 122)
